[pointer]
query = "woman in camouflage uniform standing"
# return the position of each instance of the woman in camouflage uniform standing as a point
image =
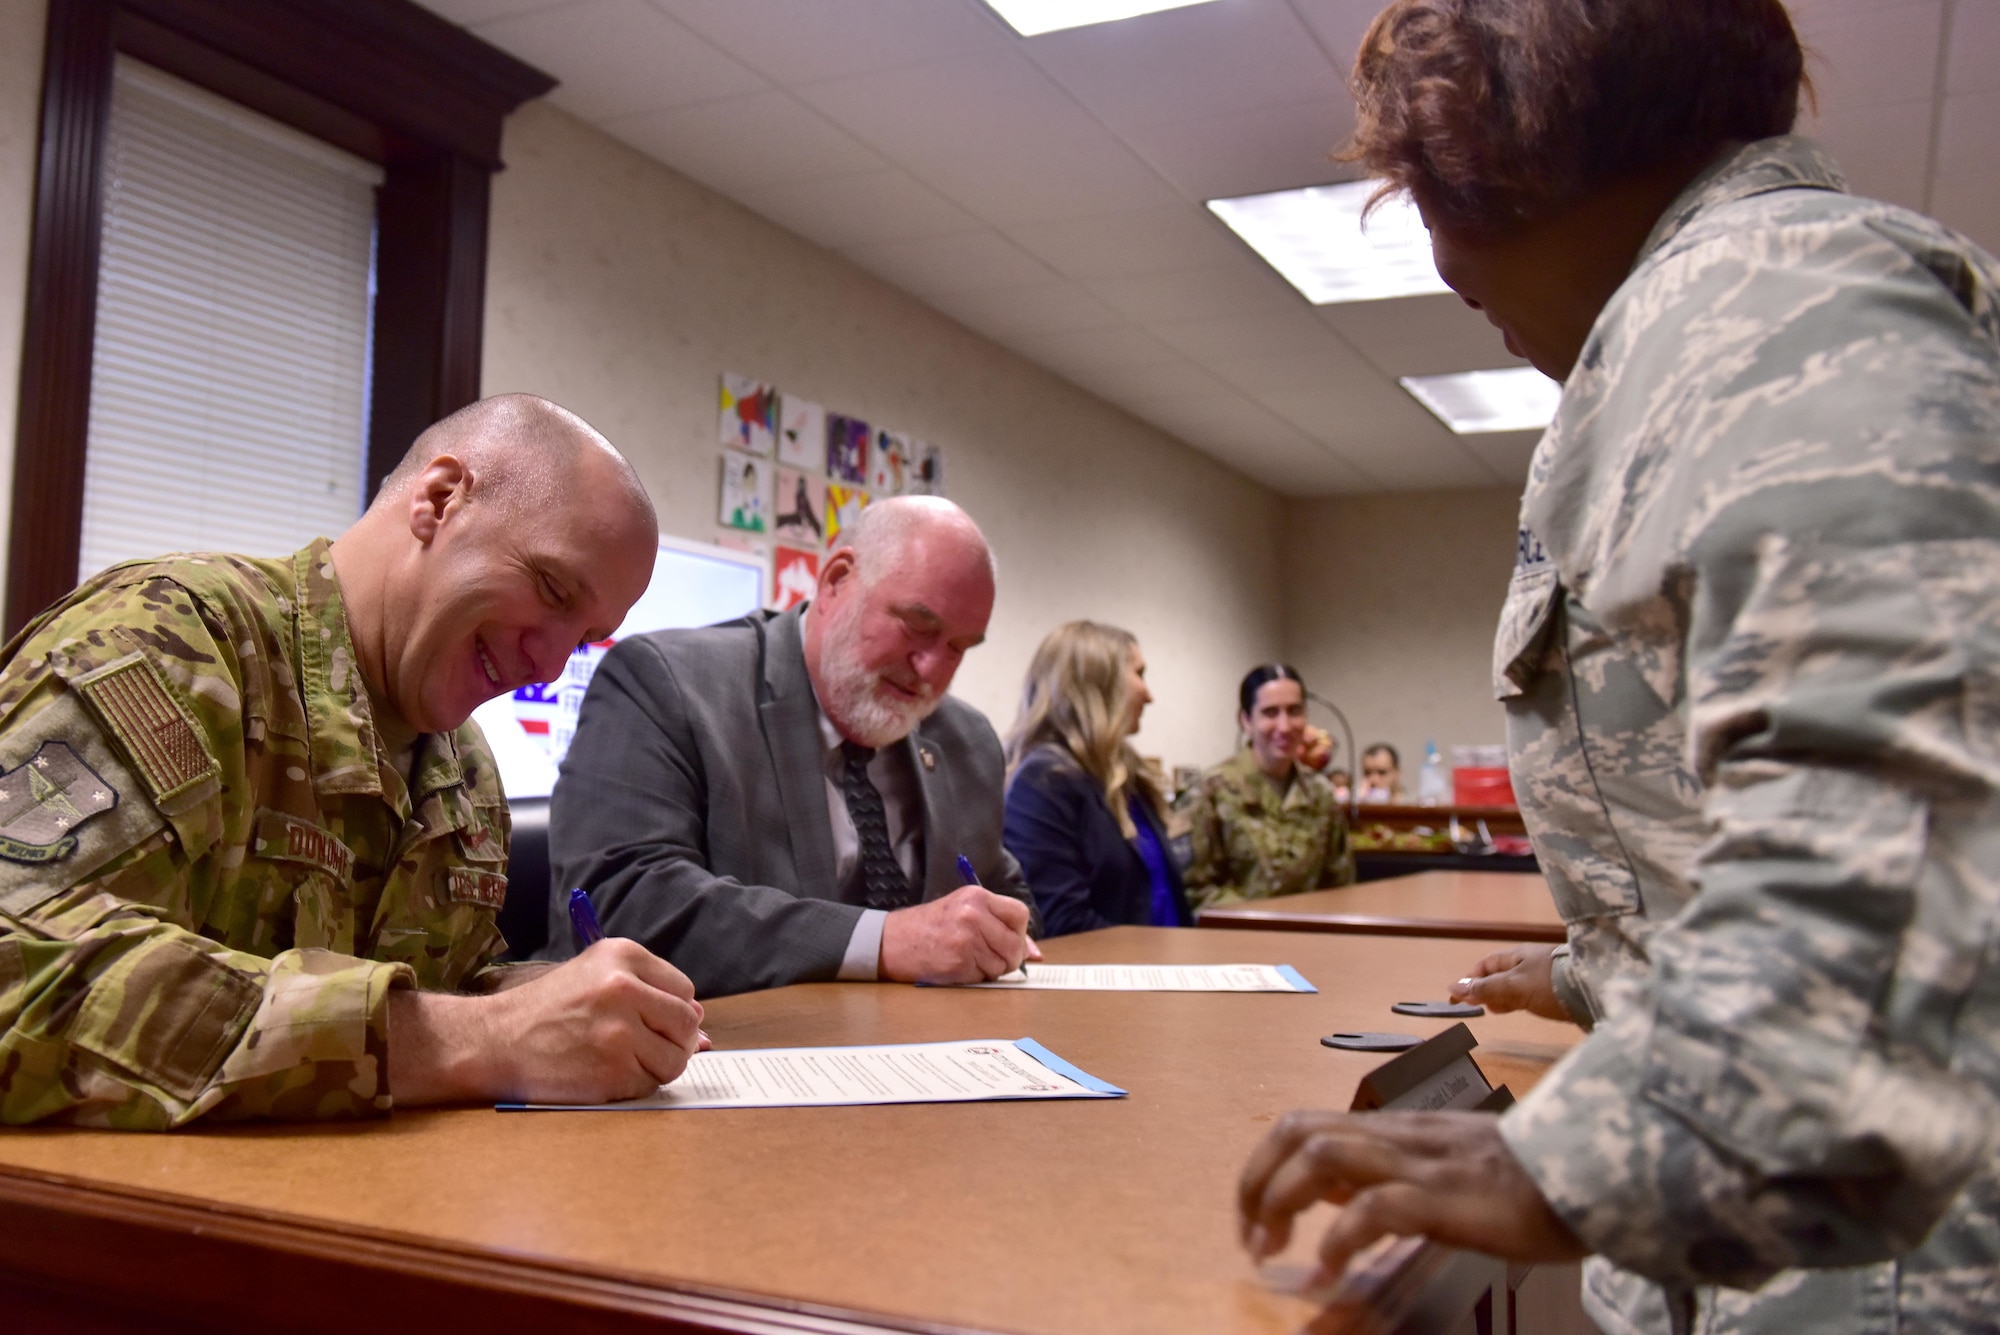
(1262, 824)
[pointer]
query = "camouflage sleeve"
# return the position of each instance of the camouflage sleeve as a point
(1783, 1089)
(1204, 877)
(121, 732)
(1338, 869)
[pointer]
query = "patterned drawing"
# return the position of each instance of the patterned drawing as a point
(844, 505)
(794, 577)
(801, 433)
(888, 463)
(749, 416)
(846, 449)
(746, 492)
(925, 475)
(800, 514)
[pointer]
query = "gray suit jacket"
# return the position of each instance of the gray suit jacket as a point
(692, 807)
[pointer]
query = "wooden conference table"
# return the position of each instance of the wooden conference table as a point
(1059, 1218)
(1480, 905)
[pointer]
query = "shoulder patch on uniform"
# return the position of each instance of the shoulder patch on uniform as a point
(43, 800)
(135, 704)
(283, 838)
(468, 885)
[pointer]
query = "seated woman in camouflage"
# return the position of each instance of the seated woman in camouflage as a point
(1263, 824)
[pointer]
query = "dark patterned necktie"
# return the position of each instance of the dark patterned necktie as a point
(882, 879)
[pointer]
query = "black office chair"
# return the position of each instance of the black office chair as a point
(524, 918)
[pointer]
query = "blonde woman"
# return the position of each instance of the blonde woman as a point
(1085, 817)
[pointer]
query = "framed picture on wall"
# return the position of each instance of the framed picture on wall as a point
(925, 476)
(844, 505)
(888, 463)
(794, 576)
(800, 514)
(846, 449)
(801, 433)
(746, 492)
(749, 414)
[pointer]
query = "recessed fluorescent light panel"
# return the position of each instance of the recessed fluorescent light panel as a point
(1031, 17)
(1517, 399)
(1314, 237)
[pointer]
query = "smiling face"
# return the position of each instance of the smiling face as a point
(1276, 724)
(495, 597)
(883, 644)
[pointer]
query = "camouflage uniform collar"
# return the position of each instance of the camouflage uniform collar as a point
(1786, 162)
(1252, 779)
(346, 746)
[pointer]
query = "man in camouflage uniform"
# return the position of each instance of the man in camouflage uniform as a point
(243, 811)
(1250, 837)
(1749, 658)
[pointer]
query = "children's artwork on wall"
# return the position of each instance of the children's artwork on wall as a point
(846, 449)
(844, 505)
(746, 492)
(736, 540)
(749, 417)
(794, 577)
(800, 514)
(801, 433)
(925, 472)
(888, 463)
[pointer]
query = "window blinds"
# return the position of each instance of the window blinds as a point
(229, 385)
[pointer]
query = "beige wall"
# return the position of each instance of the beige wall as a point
(21, 24)
(1390, 604)
(622, 289)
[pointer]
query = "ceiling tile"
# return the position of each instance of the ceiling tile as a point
(1076, 352)
(1861, 57)
(803, 41)
(994, 134)
(1386, 434)
(1251, 152)
(1507, 453)
(1309, 364)
(1188, 64)
(616, 57)
(1113, 245)
(735, 144)
(1197, 294)
(1419, 335)
(1968, 186)
(1881, 148)
(467, 13)
(962, 262)
(856, 210)
(1004, 312)
(1253, 441)
(1162, 380)
(1975, 48)
(1265, 333)
(1338, 26)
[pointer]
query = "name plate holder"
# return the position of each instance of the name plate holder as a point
(1410, 1286)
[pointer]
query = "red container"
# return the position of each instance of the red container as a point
(1481, 786)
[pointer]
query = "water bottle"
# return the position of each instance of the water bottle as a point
(1433, 784)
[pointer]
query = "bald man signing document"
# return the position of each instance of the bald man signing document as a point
(244, 818)
(785, 798)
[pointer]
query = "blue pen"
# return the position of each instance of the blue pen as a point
(972, 878)
(583, 920)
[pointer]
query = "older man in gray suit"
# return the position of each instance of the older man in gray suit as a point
(785, 798)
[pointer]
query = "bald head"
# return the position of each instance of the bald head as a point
(892, 533)
(510, 533)
(903, 598)
(524, 451)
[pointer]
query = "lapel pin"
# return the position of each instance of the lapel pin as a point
(929, 757)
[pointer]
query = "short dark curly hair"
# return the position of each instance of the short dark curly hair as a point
(1493, 113)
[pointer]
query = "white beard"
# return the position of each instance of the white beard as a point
(857, 700)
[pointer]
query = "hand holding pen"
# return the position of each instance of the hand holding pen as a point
(970, 876)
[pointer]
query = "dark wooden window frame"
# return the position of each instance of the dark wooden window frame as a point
(384, 79)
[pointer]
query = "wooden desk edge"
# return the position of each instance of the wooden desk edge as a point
(80, 1244)
(1363, 924)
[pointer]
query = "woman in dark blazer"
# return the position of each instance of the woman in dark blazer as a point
(1085, 816)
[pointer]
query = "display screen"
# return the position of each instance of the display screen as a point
(692, 585)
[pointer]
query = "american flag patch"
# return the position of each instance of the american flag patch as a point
(149, 723)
